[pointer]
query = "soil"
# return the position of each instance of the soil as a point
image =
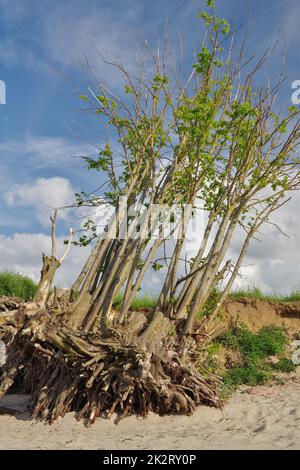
(258, 313)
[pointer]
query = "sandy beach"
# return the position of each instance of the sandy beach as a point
(254, 418)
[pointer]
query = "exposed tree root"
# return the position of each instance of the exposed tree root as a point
(95, 376)
(14, 313)
(8, 304)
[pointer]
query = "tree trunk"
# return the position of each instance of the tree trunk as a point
(50, 265)
(136, 370)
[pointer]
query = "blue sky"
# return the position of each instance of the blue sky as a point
(41, 43)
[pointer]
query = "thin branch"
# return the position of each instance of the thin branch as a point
(53, 233)
(72, 233)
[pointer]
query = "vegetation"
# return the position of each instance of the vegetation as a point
(139, 302)
(256, 293)
(255, 349)
(17, 285)
(211, 139)
(269, 341)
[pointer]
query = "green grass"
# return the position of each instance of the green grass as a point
(284, 365)
(16, 285)
(255, 349)
(269, 341)
(256, 293)
(147, 301)
(144, 301)
(250, 375)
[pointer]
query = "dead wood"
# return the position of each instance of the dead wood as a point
(94, 376)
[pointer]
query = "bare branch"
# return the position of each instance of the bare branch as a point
(72, 233)
(53, 233)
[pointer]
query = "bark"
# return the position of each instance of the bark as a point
(150, 340)
(10, 304)
(50, 266)
(86, 268)
(134, 370)
(218, 252)
(133, 287)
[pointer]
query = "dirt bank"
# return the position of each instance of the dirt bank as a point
(258, 313)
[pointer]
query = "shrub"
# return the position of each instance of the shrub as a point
(285, 365)
(246, 376)
(16, 285)
(269, 341)
(255, 348)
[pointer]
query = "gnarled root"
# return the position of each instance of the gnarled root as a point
(95, 376)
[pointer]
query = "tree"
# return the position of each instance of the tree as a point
(50, 265)
(214, 141)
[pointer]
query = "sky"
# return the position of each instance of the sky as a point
(43, 130)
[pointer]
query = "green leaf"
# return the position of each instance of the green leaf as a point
(128, 90)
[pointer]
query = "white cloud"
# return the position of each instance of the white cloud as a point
(67, 34)
(101, 28)
(71, 36)
(21, 253)
(45, 151)
(43, 195)
(273, 260)
(272, 264)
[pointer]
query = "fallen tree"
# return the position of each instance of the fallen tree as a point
(212, 141)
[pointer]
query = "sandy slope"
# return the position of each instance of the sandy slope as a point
(259, 418)
(257, 313)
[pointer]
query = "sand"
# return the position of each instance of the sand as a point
(257, 313)
(254, 418)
